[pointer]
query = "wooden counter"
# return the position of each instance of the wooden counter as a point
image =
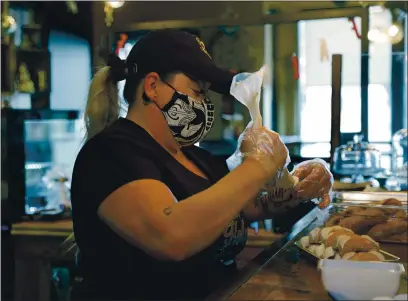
(36, 246)
(37, 249)
(282, 272)
(276, 272)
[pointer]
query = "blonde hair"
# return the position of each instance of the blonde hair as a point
(102, 107)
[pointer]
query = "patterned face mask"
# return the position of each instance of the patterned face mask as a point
(189, 120)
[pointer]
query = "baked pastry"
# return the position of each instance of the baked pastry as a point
(305, 242)
(391, 202)
(347, 256)
(319, 251)
(324, 233)
(361, 224)
(354, 243)
(390, 228)
(333, 220)
(367, 256)
(331, 238)
(401, 237)
(329, 253)
(314, 235)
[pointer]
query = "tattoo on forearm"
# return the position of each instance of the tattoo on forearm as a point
(168, 210)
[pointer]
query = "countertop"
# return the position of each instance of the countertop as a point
(282, 272)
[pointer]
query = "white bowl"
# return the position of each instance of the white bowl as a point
(356, 280)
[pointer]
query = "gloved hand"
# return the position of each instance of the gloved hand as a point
(315, 181)
(262, 145)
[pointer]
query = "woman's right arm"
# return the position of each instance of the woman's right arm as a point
(146, 213)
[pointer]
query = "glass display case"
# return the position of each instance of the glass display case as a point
(39, 148)
(51, 147)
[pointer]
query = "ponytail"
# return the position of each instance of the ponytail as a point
(102, 107)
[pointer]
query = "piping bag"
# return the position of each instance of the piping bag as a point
(246, 88)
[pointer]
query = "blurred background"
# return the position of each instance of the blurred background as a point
(338, 89)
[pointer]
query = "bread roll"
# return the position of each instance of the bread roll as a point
(361, 224)
(401, 237)
(390, 228)
(333, 220)
(391, 202)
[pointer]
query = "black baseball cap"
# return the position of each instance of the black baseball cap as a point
(168, 50)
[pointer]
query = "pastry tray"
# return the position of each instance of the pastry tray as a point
(367, 197)
(388, 257)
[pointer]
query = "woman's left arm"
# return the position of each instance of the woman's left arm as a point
(315, 181)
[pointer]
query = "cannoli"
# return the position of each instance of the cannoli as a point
(329, 253)
(319, 251)
(304, 242)
(312, 249)
(347, 256)
(331, 238)
(367, 256)
(324, 233)
(390, 228)
(355, 243)
(314, 236)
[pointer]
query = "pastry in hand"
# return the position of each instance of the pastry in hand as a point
(332, 237)
(390, 228)
(361, 224)
(355, 243)
(367, 256)
(314, 236)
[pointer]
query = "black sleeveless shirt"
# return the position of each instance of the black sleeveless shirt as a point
(112, 268)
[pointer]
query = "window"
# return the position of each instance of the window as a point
(318, 40)
(70, 71)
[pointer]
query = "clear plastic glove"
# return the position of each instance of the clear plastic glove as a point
(262, 145)
(315, 181)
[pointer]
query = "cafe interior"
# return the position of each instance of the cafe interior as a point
(337, 91)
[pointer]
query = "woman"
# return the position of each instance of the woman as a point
(155, 217)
